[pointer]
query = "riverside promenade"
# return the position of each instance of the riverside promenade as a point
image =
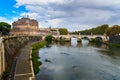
(24, 70)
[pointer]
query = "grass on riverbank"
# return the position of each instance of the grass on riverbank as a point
(35, 58)
(112, 45)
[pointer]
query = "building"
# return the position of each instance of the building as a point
(48, 31)
(24, 26)
(44, 31)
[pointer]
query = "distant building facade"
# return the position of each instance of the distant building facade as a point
(44, 31)
(47, 31)
(24, 26)
(27, 26)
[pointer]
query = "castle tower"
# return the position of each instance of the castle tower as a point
(25, 26)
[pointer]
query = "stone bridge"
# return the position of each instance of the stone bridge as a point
(79, 37)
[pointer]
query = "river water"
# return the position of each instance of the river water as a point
(79, 61)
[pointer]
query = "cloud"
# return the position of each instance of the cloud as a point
(40, 2)
(31, 15)
(3, 19)
(55, 22)
(72, 14)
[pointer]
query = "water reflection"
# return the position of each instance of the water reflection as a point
(76, 61)
(74, 42)
(98, 45)
(85, 42)
(112, 53)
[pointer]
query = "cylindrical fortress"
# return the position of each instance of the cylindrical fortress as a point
(24, 26)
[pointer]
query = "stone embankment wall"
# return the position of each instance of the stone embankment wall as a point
(114, 39)
(2, 56)
(12, 46)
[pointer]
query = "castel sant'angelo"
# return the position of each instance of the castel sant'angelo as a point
(24, 26)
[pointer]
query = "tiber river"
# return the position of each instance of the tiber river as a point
(79, 61)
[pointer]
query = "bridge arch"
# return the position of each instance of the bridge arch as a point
(85, 37)
(73, 36)
(99, 39)
(53, 38)
(77, 37)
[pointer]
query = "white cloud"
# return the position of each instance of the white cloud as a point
(39, 2)
(36, 8)
(31, 15)
(72, 13)
(55, 22)
(2, 19)
(93, 15)
(99, 3)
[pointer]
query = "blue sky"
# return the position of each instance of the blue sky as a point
(8, 11)
(71, 14)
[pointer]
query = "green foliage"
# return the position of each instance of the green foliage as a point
(5, 75)
(46, 60)
(112, 45)
(4, 28)
(114, 30)
(48, 39)
(38, 45)
(35, 58)
(10, 45)
(96, 40)
(53, 30)
(63, 31)
(100, 30)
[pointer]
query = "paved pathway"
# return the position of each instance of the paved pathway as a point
(23, 65)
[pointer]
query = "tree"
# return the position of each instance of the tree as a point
(4, 28)
(100, 30)
(63, 31)
(48, 39)
(114, 30)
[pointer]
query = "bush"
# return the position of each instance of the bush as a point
(112, 45)
(48, 39)
(5, 75)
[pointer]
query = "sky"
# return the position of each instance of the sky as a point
(71, 14)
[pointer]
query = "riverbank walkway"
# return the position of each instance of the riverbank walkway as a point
(24, 70)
